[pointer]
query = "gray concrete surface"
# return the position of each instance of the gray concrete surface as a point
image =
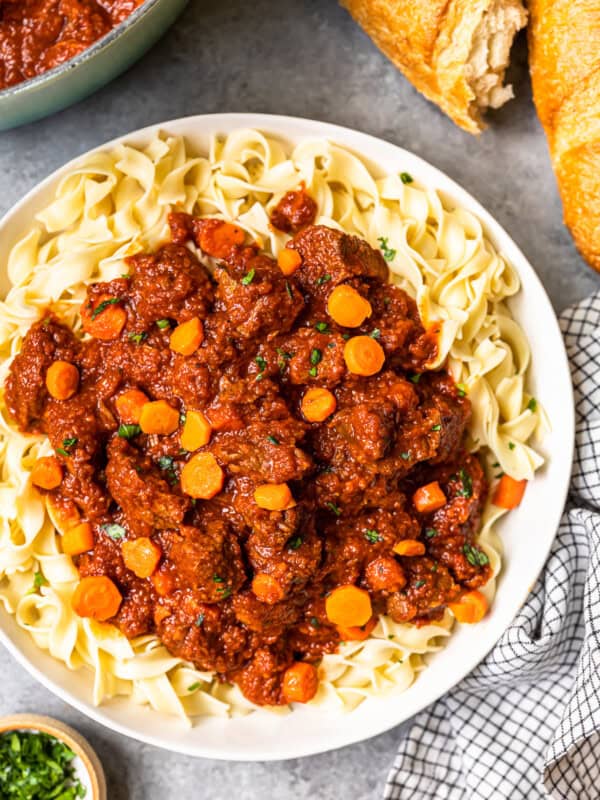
(304, 58)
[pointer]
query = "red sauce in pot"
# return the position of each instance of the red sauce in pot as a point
(38, 35)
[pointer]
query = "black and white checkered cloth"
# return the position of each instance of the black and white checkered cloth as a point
(525, 724)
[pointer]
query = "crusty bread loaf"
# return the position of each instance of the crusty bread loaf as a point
(454, 51)
(564, 57)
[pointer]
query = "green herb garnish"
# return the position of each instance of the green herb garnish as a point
(272, 439)
(168, 467)
(406, 177)
(104, 305)
(467, 483)
(418, 584)
(224, 591)
(38, 582)
(138, 338)
(315, 356)
(388, 252)
(322, 327)
(334, 509)
(116, 532)
(373, 536)
(193, 686)
(415, 378)
(532, 404)
(375, 334)
(430, 533)
(162, 324)
(248, 277)
(295, 542)
(462, 389)
(313, 372)
(323, 279)
(288, 289)
(217, 578)
(37, 766)
(405, 456)
(315, 622)
(511, 445)
(62, 452)
(437, 427)
(199, 620)
(475, 557)
(128, 431)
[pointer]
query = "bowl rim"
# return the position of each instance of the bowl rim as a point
(363, 144)
(101, 44)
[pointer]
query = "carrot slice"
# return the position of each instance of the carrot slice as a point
(347, 307)
(409, 547)
(509, 492)
(472, 607)
(300, 682)
(96, 596)
(129, 406)
(78, 540)
(218, 238)
(159, 417)
(47, 473)
(357, 634)
(289, 261)
(363, 355)
(105, 320)
(187, 337)
(429, 498)
(318, 404)
(274, 496)
(141, 556)
(202, 477)
(196, 431)
(62, 380)
(348, 606)
(267, 588)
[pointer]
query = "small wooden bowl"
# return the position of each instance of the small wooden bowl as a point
(79, 745)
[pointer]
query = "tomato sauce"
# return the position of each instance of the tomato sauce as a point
(38, 35)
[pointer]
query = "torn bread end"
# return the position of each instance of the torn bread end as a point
(490, 53)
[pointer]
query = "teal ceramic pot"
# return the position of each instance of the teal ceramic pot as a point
(91, 69)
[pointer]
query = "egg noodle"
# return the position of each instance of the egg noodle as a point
(114, 204)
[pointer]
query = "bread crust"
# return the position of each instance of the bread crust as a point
(564, 58)
(430, 41)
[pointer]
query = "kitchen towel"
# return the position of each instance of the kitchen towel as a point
(525, 724)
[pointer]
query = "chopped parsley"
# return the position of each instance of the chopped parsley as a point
(387, 301)
(315, 356)
(467, 484)
(168, 467)
(334, 509)
(462, 389)
(116, 532)
(373, 536)
(315, 622)
(162, 324)
(193, 686)
(272, 439)
(138, 338)
(217, 578)
(430, 533)
(295, 543)
(199, 620)
(182, 419)
(388, 252)
(248, 277)
(104, 305)
(532, 404)
(262, 365)
(418, 584)
(323, 279)
(375, 334)
(128, 431)
(511, 445)
(224, 591)
(405, 456)
(313, 372)
(38, 581)
(437, 427)
(283, 354)
(289, 290)
(322, 327)
(415, 378)
(37, 766)
(67, 444)
(406, 177)
(475, 557)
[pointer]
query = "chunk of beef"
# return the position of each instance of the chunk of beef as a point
(261, 678)
(309, 357)
(26, 395)
(429, 588)
(330, 257)
(294, 211)
(169, 284)
(146, 499)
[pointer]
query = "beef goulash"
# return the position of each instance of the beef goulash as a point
(255, 463)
